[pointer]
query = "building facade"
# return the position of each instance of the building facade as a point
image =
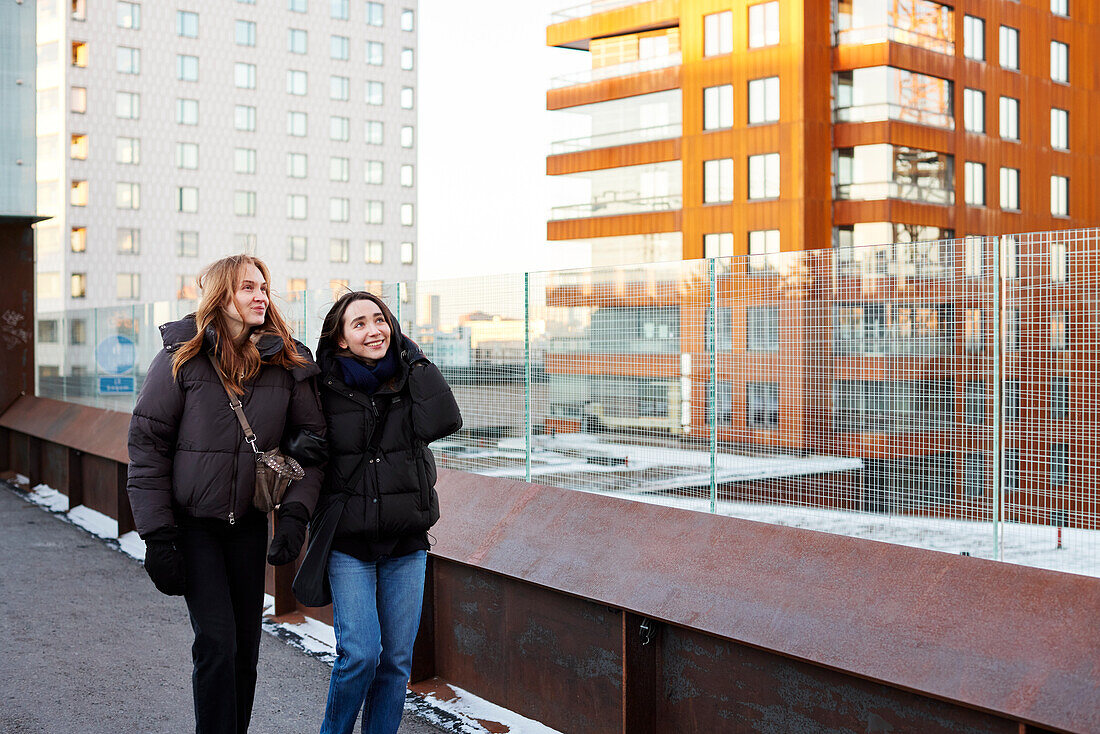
(170, 136)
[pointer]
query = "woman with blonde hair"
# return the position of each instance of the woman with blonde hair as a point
(192, 473)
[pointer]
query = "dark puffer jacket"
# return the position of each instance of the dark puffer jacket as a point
(187, 449)
(392, 490)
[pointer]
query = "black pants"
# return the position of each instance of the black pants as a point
(225, 596)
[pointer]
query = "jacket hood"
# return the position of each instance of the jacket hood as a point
(175, 334)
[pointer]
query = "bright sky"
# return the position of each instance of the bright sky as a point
(483, 136)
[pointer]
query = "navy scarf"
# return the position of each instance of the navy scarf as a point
(368, 378)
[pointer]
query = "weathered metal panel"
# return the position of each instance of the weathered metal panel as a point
(54, 460)
(91, 430)
(100, 480)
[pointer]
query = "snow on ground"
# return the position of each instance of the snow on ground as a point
(477, 712)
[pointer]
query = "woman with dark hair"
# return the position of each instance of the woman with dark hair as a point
(383, 403)
(192, 474)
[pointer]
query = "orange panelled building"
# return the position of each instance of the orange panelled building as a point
(888, 141)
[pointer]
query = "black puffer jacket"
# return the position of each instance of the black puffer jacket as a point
(187, 449)
(391, 490)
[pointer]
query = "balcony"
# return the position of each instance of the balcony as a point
(609, 140)
(590, 8)
(875, 191)
(615, 71)
(616, 203)
(887, 33)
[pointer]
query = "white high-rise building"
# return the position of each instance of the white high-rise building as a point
(172, 134)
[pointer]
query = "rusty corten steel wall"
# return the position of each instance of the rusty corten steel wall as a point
(536, 596)
(16, 309)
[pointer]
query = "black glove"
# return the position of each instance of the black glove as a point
(164, 562)
(290, 533)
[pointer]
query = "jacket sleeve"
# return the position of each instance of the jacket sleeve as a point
(435, 412)
(152, 443)
(304, 414)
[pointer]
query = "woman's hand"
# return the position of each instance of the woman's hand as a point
(290, 533)
(164, 562)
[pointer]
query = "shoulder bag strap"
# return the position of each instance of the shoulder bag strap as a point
(235, 404)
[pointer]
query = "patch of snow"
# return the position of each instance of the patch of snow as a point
(471, 710)
(94, 522)
(22, 480)
(49, 498)
(132, 545)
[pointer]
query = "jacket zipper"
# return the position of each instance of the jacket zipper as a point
(233, 486)
(373, 473)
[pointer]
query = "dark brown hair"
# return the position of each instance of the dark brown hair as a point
(333, 325)
(238, 360)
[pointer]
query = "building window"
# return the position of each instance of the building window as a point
(187, 288)
(762, 328)
(244, 33)
(974, 111)
(973, 38)
(297, 41)
(407, 175)
(1059, 265)
(244, 160)
(374, 14)
(187, 199)
(187, 111)
(1059, 62)
(372, 172)
(1059, 331)
(718, 107)
(47, 331)
(762, 405)
(407, 59)
(1060, 7)
(339, 128)
(297, 6)
(127, 195)
(296, 165)
(128, 286)
(128, 105)
(718, 181)
(407, 253)
(296, 248)
(338, 250)
(374, 53)
(373, 251)
(244, 203)
(974, 256)
(1059, 397)
(974, 479)
(1059, 453)
(338, 9)
(1059, 196)
(764, 176)
(244, 75)
(1010, 189)
(297, 82)
(1010, 48)
(78, 288)
(407, 218)
(975, 406)
(187, 24)
(127, 60)
(297, 124)
(1011, 405)
(187, 68)
(373, 212)
(406, 98)
(407, 20)
(1059, 129)
(1010, 118)
(78, 147)
(373, 132)
(128, 151)
(1011, 328)
(187, 156)
(128, 15)
(763, 25)
(295, 289)
(973, 330)
(763, 250)
(128, 241)
(244, 118)
(245, 243)
(78, 239)
(975, 183)
(78, 100)
(338, 169)
(375, 94)
(339, 88)
(187, 244)
(718, 244)
(339, 209)
(718, 34)
(339, 47)
(408, 136)
(296, 206)
(764, 100)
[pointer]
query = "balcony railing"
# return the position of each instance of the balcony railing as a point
(894, 190)
(590, 8)
(878, 34)
(613, 205)
(616, 70)
(890, 111)
(619, 137)
(954, 412)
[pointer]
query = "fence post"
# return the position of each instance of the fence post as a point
(527, 374)
(997, 388)
(712, 384)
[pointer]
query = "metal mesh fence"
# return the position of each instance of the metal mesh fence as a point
(934, 394)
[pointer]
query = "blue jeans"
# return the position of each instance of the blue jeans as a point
(375, 613)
